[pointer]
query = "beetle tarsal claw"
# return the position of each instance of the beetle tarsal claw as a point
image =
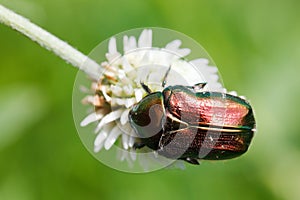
(160, 144)
(199, 86)
(138, 145)
(192, 161)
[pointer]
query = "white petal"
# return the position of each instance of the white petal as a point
(142, 74)
(112, 50)
(106, 96)
(98, 148)
(99, 141)
(138, 94)
(125, 139)
(155, 77)
(189, 73)
(91, 118)
(212, 69)
(121, 74)
(132, 154)
(128, 90)
(146, 59)
(126, 65)
(112, 116)
(112, 46)
(129, 102)
(109, 73)
(131, 141)
(116, 90)
(129, 43)
(126, 128)
(175, 44)
(183, 52)
(101, 137)
(233, 93)
(144, 161)
(124, 117)
(112, 137)
(125, 43)
(125, 80)
(200, 61)
(129, 161)
(132, 43)
(145, 39)
(123, 155)
(213, 77)
(210, 74)
(119, 101)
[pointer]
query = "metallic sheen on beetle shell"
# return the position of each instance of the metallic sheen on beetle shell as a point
(180, 123)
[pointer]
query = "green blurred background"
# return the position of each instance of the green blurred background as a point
(256, 46)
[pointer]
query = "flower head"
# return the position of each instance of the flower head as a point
(119, 87)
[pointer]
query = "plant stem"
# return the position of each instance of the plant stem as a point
(50, 42)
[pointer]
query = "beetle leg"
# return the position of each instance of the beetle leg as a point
(191, 160)
(146, 88)
(138, 145)
(165, 77)
(197, 87)
(160, 144)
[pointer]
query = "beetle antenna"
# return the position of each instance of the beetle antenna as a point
(146, 88)
(165, 77)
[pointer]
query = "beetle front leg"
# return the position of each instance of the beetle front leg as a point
(191, 160)
(138, 145)
(197, 87)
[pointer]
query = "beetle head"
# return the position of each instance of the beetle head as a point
(146, 117)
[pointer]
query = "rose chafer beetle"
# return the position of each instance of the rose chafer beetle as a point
(188, 123)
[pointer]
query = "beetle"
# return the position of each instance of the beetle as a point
(189, 123)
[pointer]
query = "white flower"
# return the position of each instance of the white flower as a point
(119, 87)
